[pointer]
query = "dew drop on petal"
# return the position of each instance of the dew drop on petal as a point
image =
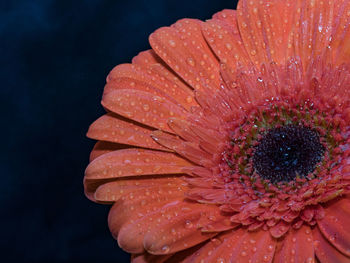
(188, 224)
(129, 114)
(191, 62)
(172, 43)
(228, 46)
(165, 249)
(146, 107)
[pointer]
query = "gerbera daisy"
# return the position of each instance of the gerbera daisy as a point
(228, 141)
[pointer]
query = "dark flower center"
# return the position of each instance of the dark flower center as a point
(287, 152)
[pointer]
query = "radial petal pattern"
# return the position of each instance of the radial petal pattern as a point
(229, 140)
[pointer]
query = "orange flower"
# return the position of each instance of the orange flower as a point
(229, 140)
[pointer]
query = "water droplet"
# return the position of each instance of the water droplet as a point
(146, 107)
(165, 249)
(189, 99)
(253, 52)
(212, 218)
(157, 168)
(228, 46)
(129, 114)
(243, 253)
(258, 23)
(191, 62)
(188, 224)
(172, 43)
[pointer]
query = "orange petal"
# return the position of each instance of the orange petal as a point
(252, 32)
(243, 246)
(209, 139)
(325, 252)
(112, 191)
(203, 253)
(297, 246)
(142, 107)
(335, 226)
(147, 59)
(182, 233)
(134, 162)
(279, 229)
(150, 79)
(208, 195)
(150, 61)
(184, 49)
(229, 16)
(189, 150)
(90, 187)
(113, 129)
(184, 254)
(340, 43)
(132, 233)
(183, 129)
(102, 148)
(226, 42)
(267, 28)
(179, 227)
(313, 29)
(139, 204)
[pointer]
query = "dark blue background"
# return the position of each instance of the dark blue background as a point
(54, 57)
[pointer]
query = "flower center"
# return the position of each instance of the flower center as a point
(287, 152)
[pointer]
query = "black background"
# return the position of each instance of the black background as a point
(55, 55)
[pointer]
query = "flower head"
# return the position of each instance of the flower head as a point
(229, 140)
